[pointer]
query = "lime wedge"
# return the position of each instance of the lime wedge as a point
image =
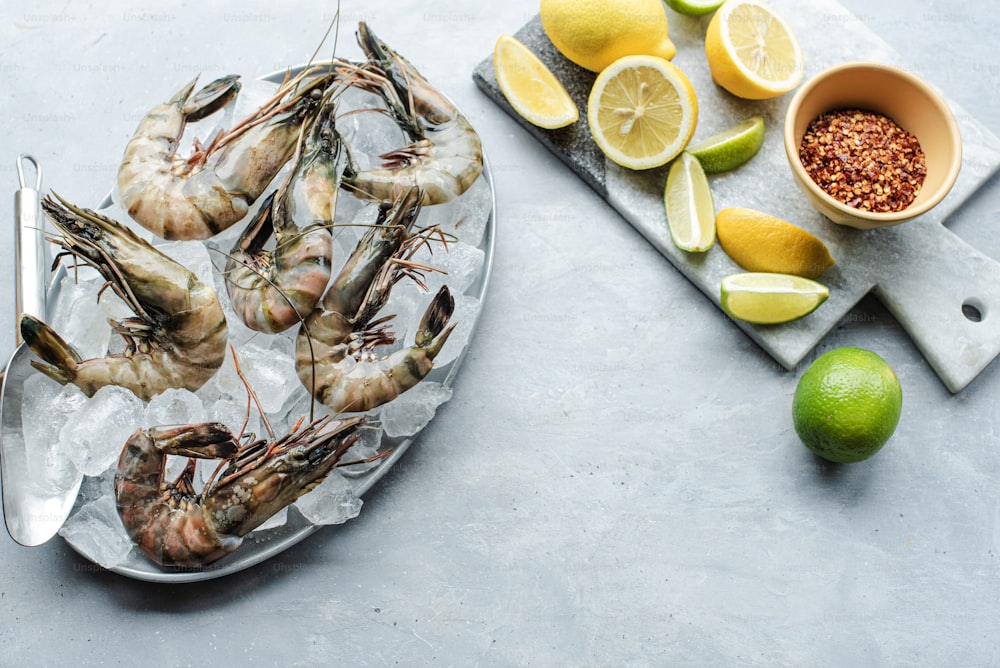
(694, 7)
(768, 299)
(531, 88)
(731, 148)
(689, 204)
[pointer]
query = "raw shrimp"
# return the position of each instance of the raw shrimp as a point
(445, 156)
(335, 348)
(178, 337)
(199, 196)
(271, 290)
(175, 526)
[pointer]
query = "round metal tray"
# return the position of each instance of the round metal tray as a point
(263, 545)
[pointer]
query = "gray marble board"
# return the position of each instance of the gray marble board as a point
(944, 292)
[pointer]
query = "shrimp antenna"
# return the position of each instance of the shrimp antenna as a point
(250, 395)
(334, 22)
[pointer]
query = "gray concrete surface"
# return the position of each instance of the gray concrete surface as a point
(616, 480)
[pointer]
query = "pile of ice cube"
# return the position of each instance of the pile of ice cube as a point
(69, 434)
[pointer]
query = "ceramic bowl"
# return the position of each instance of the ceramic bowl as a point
(903, 97)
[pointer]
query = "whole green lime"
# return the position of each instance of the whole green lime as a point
(847, 405)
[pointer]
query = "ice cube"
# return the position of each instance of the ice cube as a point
(232, 412)
(369, 133)
(45, 407)
(114, 307)
(95, 530)
(271, 374)
(406, 303)
(75, 316)
(366, 447)
(94, 487)
(225, 383)
(253, 94)
(332, 502)
(410, 412)
(457, 266)
(174, 406)
(93, 437)
(464, 218)
(193, 255)
(275, 521)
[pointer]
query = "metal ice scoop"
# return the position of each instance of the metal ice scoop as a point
(33, 511)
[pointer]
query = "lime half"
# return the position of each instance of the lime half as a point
(768, 299)
(689, 205)
(694, 7)
(731, 148)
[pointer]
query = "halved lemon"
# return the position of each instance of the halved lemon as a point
(642, 111)
(752, 51)
(689, 205)
(530, 87)
(769, 299)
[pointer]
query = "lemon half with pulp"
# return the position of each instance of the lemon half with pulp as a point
(752, 51)
(642, 111)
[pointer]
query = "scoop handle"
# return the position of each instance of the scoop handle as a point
(30, 251)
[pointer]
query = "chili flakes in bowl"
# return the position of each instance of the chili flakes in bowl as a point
(863, 159)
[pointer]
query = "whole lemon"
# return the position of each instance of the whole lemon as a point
(847, 405)
(595, 33)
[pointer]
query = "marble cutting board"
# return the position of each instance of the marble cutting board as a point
(944, 292)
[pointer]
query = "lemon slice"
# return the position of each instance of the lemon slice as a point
(769, 299)
(689, 204)
(530, 87)
(752, 51)
(760, 242)
(642, 111)
(731, 148)
(694, 7)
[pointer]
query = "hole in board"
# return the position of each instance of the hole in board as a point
(973, 310)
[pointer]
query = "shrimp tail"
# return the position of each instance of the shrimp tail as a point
(432, 334)
(211, 98)
(62, 359)
(398, 72)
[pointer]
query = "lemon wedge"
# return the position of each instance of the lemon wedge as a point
(530, 87)
(642, 111)
(689, 205)
(752, 51)
(730, 148)
(769, 299)
(760, 242)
